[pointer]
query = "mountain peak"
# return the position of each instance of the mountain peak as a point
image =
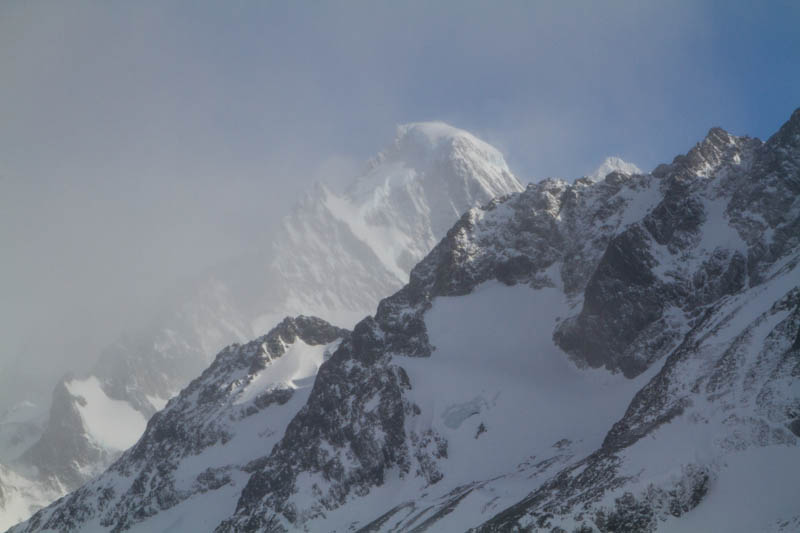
(718, 137)
(420, 143)
(433, 134)
(384, 221)
(435, 150)
(613, 164)
(444, 168)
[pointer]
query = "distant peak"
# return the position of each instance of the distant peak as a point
(433, 152)
(440, 138)
(433, 132)
(613, 164)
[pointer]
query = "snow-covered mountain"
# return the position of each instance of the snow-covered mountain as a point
(614, 355)
(340, 253)
(613, 164)
(337, 255)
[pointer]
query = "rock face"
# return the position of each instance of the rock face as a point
(589, 356)
(660, 262)
(337, 256)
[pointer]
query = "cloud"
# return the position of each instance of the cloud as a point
(142, 143)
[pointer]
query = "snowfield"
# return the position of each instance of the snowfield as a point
(111, 423)
(502, 370)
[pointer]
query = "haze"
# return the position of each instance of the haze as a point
(143, 143)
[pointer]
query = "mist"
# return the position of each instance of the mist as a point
(142, 144)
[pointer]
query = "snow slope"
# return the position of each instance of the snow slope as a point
(503, 397)
(505, 372)
(113, 424)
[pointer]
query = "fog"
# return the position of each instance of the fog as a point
(143, 143)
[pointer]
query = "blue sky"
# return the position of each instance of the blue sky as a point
(141, 142)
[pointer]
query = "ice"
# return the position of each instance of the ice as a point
(455, 415)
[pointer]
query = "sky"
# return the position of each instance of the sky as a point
(142, 143)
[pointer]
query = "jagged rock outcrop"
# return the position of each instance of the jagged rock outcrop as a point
(630, 290)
